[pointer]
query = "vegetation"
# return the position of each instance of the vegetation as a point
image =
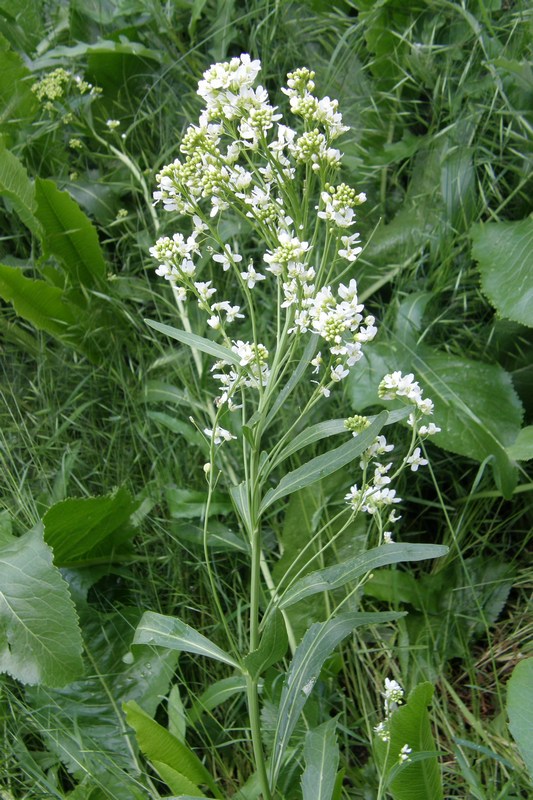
(136, 536)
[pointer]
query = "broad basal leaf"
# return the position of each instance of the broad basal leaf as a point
(40, 639)
(69, 235)
(504, 251)
(318, 643)
(170, 632)
(77, 527)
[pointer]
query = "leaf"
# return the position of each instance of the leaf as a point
(170, 632)
(216, 694)
(175, 781)
(504, 251)
(40, 639)
(520, 709)
(69, 235)
(196, 342)
(159, 745)
(410, 724)
(17, 187)
(84, 723)
(38, 302)
(75, 528)
(522, 447)
(321, 756)
(18, 104)
(325, 464)
(476, 405)
(272, 648)
(340, 574)
(317, 644)
(294, 380)
(241, 501)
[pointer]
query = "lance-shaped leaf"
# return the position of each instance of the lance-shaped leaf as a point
(324, 580)
(217, 694)
(318, 643)
(69, 234)
(324, 465)
(520, 709)
(164, 749)
(294, 380)
(170, 632)
(272, 647)
(321, 756)
(40, 639)
(196, 342)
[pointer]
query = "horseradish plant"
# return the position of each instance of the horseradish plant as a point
(266, 251)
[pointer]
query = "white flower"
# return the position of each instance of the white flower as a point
(339, 373)
(317, 362)
(382, 731)
(251, 276)
(227, 258)
(415, 460)
(387, 537)
(392, 695)
(204, 289)
(429, 430)
(404, 754)
(113, 124)
(218, 434)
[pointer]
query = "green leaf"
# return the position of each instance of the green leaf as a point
(217, 694)
(325, 464)
(40, 639)
(520, 709)
(76, 528)
(17, 187)
(18, 104)
(241, 501)
(294, 380)
(476, 405)
(69, 235)
(196, 342)
(321, 756)
(38, 302)
(410, 724)
(170, 632)
(175, 781)
(159, 745)
(317, 644)
(504, 251)
(272, 648)
(83, 723)
(334, 577)
(522, 447)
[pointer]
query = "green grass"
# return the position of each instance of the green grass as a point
(438, 100)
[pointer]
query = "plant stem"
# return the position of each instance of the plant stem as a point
(255, 727)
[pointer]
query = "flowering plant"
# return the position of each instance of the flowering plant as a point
(283, 320)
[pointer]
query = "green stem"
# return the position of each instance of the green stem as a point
(255, 727)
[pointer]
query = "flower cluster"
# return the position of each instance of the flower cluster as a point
(392, 698)
(57, 84)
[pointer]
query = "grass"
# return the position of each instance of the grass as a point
(438, 103)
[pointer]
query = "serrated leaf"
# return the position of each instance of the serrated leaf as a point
(17, 187)
(69, 235)
(520, 709)
(159, 745)
(504, 251)
(272, 648)
(334, 577)
(410, 724)
(323, 465)
(40, 639)
(170, 632)
(317, 644)
(76, 527)
(196, 342)
(321, 756)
